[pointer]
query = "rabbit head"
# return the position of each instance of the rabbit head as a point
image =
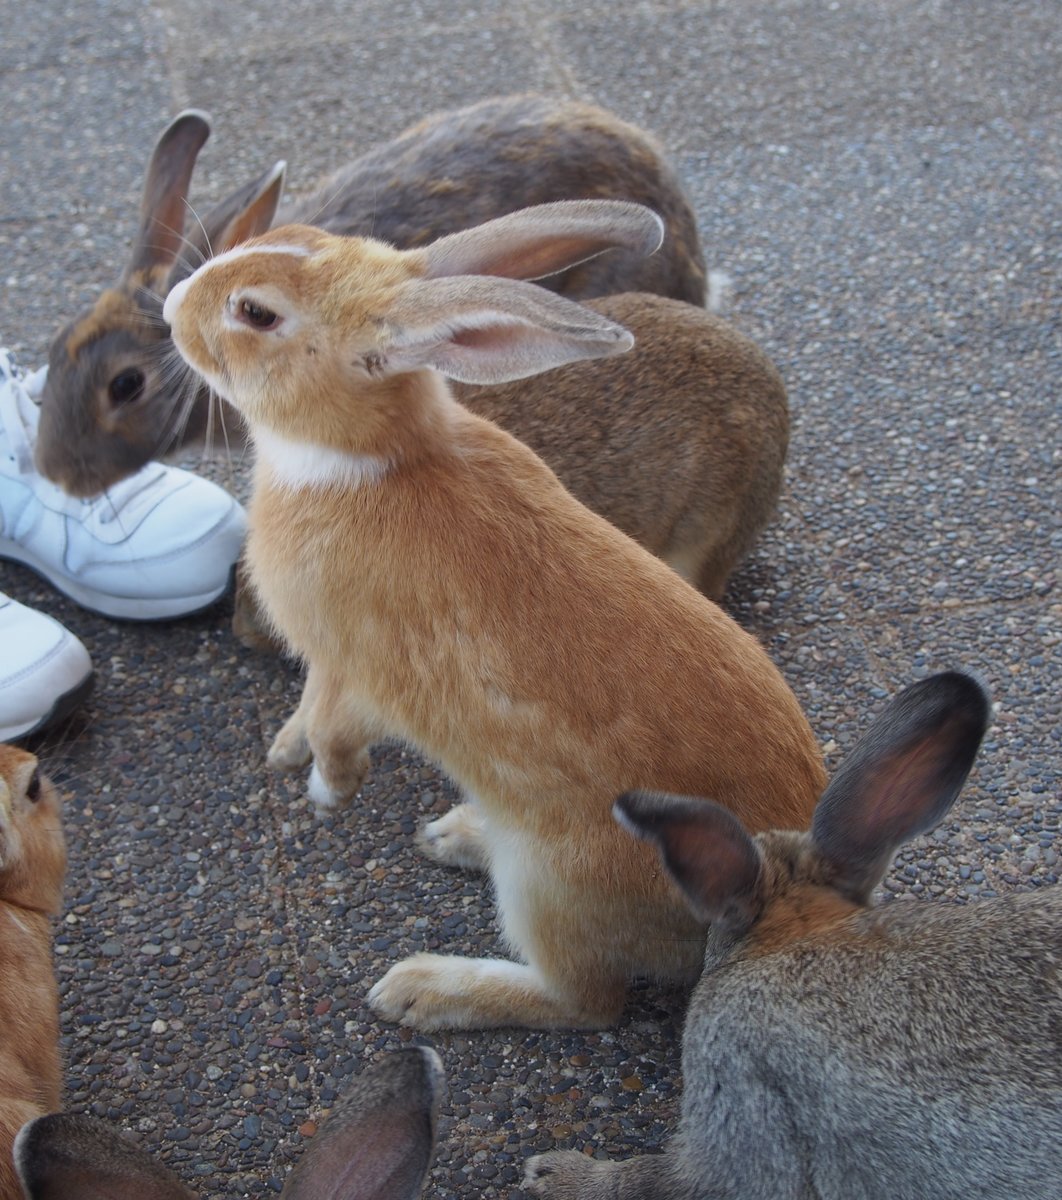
(114, 395)
(377, 1144)
(32, 849)
(314, 337)
(898, 782)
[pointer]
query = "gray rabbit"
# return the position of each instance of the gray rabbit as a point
(377, 1144)
(839, 1051)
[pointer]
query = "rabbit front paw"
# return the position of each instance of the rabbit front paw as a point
(290, 750)
(456, 839)
(426, 991)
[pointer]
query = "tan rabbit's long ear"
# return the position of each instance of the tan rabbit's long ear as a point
(901, 778)
(62, 1156)
(540, 241)
(378, 1143)
(705, 849)
(481, 330)
(242, 215)
(164, 205)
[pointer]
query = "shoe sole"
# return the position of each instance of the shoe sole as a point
(121, 608)
(63, 707)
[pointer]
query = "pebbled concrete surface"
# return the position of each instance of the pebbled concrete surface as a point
(882, 183)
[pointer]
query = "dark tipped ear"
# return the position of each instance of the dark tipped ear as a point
(705, 849)
(377, 1144)
(62, 1156)
(901, 778)
(240, 216)
(543, 240)
(164, 205)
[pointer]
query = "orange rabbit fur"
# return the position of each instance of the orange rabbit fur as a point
(443, 587)
(32, 867)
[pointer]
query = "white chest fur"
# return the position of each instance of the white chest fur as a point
(297, 464)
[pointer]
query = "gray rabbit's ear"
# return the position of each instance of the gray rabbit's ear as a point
(61, 1156)
(543, 240)
(705, 849)
(165, 201)
(240, 216)
(901, 778)
(377, 1143)
(481, 330)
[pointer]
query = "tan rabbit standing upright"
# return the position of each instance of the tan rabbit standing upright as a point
(32, 868)
(444, 588)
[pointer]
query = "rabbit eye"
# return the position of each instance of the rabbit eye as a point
(127, 386)
(33, 788)
(257, 315)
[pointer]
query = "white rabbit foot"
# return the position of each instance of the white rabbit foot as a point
(456, 839)
(325, 797)
(434, 991)
(290, 750)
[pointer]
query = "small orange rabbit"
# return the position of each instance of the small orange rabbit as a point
(32, 868)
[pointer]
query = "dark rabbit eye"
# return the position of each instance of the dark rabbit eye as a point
(33, 788)
(257, 315)
(127, 386)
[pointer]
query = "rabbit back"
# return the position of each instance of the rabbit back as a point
(458, 169)
(681, 443)
(914, 1051)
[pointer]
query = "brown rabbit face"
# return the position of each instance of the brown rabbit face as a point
(32, 848)
(112, 394)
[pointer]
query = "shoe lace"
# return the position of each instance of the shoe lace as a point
(20, 416)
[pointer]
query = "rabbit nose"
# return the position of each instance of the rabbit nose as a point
(173, 301)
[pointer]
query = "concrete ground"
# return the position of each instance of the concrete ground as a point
(881, 180)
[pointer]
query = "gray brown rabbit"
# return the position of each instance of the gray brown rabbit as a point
(32, 868)
(376, 1144)
(113, 398)
(836, 1051)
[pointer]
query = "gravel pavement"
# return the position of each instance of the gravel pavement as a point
(881, 181)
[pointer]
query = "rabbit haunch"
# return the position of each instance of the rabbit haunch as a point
(465, 602)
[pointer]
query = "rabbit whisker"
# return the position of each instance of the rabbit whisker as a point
(206, 236)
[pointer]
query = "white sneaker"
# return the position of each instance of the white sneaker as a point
(161, 544)
(45, 672)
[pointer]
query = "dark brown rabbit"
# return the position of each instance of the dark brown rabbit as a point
(115, 397)
(376, 1145)
(32, 867)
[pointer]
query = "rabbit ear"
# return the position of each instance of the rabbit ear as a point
(242, 215)
(901, 778)
(482, 330)
(545, 239)
(705, 849)
(377, 1144)
(61, 1155)
(164, 204)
